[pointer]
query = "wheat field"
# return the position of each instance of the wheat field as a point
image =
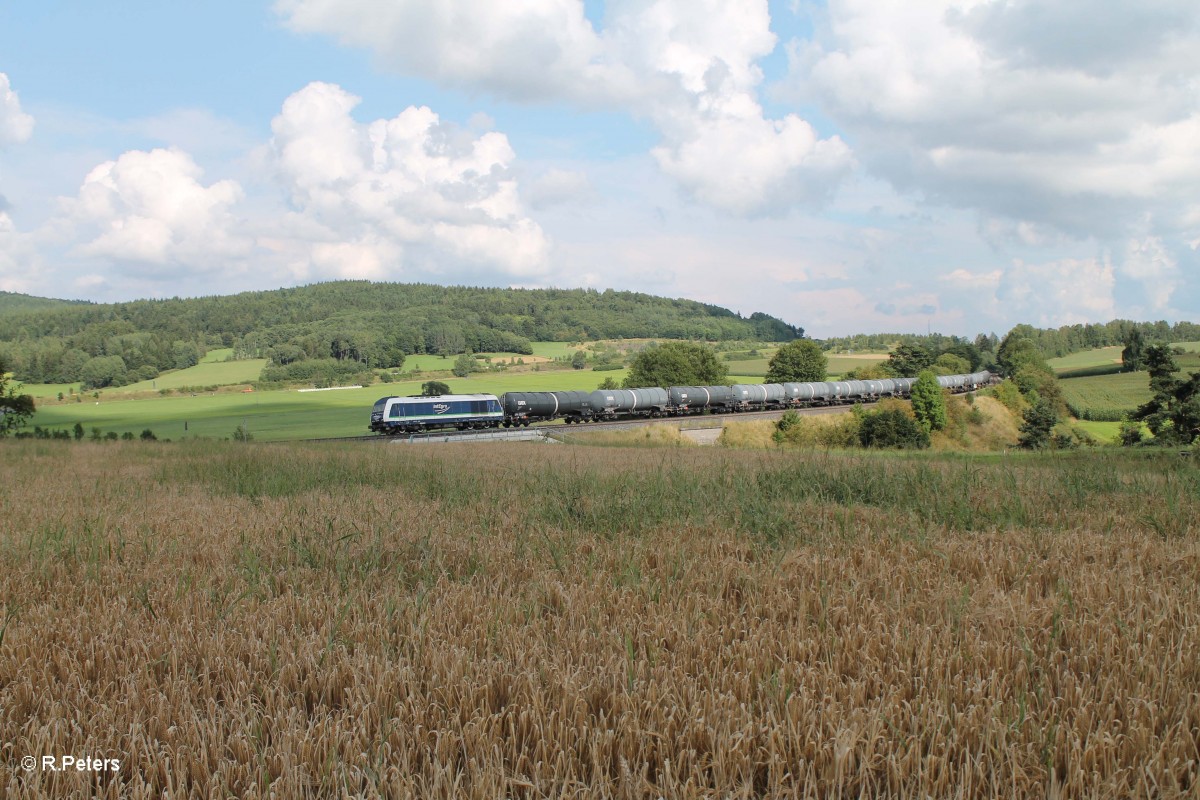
(523, 620)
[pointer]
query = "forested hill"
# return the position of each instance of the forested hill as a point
(375, 324)
(11, 302)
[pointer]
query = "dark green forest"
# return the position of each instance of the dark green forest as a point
(369, 325)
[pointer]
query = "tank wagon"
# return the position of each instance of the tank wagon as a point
(408, 414)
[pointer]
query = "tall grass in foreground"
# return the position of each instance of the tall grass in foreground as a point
(527, 620)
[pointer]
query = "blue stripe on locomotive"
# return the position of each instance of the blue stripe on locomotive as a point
(435, 408)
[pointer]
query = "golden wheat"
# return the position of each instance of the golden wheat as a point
(516, 620)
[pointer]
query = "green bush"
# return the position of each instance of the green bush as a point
(892, 428)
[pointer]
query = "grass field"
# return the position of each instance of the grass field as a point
(840, 365)
(1104, 432)
(46, 391)
(755, 366)
(284, 414)
(1121, 391)
(250, 620)
(1114, 391)
(1087, 359)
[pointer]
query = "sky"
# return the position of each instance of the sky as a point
(848, 166)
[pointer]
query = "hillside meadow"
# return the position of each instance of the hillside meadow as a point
(521, 620)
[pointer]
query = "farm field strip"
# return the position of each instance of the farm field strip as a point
(294, 620)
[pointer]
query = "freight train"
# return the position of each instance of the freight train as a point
(395, 415)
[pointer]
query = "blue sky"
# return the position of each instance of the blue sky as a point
(856, 165)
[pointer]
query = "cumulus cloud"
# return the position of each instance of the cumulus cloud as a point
(1150, 263)
(1049, 112)
(1062, 292)
(15, 125)
(406, 191)
(149, 210)
(690, 67)
(520, 50)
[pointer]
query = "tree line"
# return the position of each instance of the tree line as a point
(371, 325)
(1050, 342)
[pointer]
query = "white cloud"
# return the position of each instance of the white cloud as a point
(1148, 262)
(15, 125)
(147, 211)
(1055, 113)
(400, 192)
(689, 66)
(1062, 292)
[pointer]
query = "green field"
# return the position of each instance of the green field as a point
(206, 373)
(840, 365)
(755, 366)
(1123, 391)
(1087, 360)
(220, 354)
(41, 391)
(1105, 432)
(285, 414)
(1111, 392)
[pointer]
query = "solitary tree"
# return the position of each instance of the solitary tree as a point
(1040, 419)
(579, 360)
(928, 402)
(15, 409)
(608, 383)
(1131, 356)
(464, 365)
(799, 361)
(676, 364)
(434, 388)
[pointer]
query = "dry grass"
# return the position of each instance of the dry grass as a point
(813, 431)
(653, 435)
(991, 427)
(546, 621)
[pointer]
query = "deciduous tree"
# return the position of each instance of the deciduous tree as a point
(676, 364)
(801, 361)
(928, 402)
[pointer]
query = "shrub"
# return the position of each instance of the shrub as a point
(1040, 419)
(1130, 433)
(892, 428)
(1008, 394)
